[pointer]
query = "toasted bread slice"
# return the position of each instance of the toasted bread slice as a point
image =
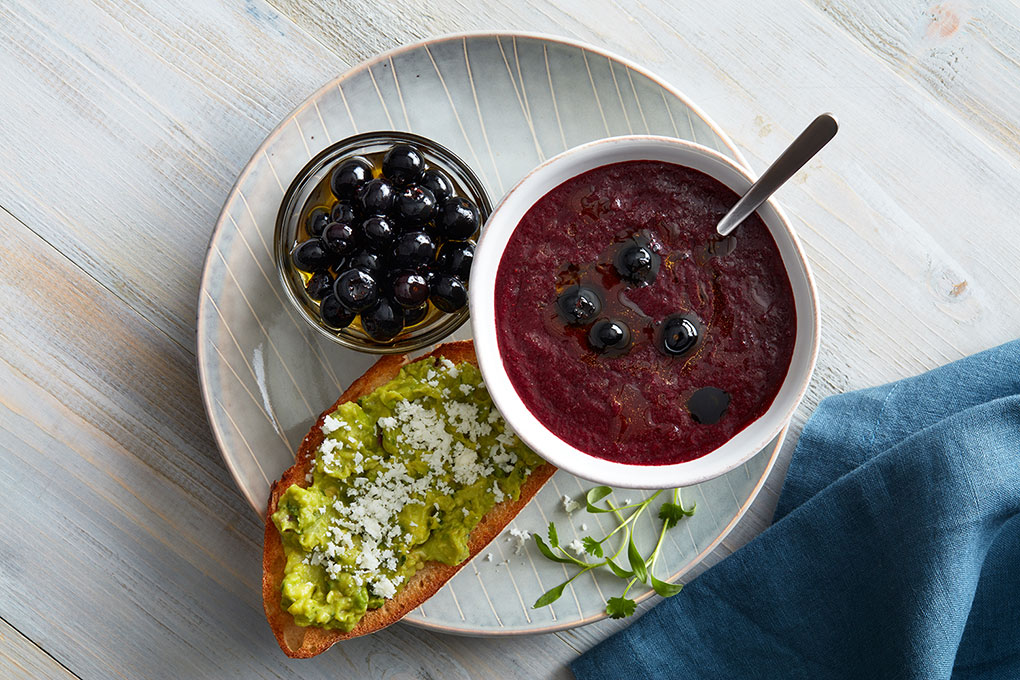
(303, 642)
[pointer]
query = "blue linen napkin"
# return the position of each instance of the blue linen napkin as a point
(895, 551)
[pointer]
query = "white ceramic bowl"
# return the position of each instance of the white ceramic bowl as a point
(501, 225)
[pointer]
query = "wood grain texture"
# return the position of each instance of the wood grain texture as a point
(132, 124)
(125, 124)
(20, 659)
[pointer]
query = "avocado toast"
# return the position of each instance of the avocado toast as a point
(440, 517)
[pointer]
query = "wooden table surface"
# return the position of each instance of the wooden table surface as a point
(126, 550)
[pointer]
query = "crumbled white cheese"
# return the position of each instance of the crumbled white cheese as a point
(520, 537)
(330, 424)
(488, 557)
(576, 546)
(451, 369)
(384, 587)
(569, 504)
(365, 529)
(464, 418)
(584, 527)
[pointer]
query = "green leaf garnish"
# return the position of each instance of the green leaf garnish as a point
(671, 513)
(637, 562)
(619, 571)
(554, 540)
(640, 567)
(620, 607)
(550, 596)
(591, 546)
(666, 589)
(594, 496)
(547, 551)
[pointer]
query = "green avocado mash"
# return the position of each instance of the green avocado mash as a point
(402, 477)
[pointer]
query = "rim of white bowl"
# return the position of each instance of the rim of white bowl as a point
(501, 225)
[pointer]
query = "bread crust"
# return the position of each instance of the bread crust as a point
(303, 642)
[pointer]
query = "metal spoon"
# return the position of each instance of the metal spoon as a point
(815, 136)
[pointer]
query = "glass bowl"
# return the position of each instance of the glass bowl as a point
(310, 190)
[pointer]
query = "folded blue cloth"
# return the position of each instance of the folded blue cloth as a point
(895, 552)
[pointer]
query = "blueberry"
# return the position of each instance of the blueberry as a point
(342, 212)
(356, 289)
(334, 314)
(457, 218)
(415, 315)
(678, 335)
(607, 335)
(348, 178)
(383, 321)
(413, 248)
(311, 255)
(637, 263)
(429, 273)
(449, 293)
(403, 164)
(378, 232)
(376, 197)
(438, 183)
(455, 258)
(368, 260)
(317, 221)
(320, 285)
(415, 205)
(410, 289)
(339, 237)
(579, 305)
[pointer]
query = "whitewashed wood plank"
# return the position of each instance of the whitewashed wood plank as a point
(125, 125)
(954, 51)
(20, 659)
(130, 554)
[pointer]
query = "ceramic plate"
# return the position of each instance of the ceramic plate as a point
(504, 103)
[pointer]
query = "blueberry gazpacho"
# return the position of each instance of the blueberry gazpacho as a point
(629, 328)
(385, 243)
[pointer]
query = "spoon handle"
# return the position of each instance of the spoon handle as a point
(815, 136)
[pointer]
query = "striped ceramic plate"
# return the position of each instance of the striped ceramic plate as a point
(504, 103)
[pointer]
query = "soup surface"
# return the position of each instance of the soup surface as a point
(702, 330)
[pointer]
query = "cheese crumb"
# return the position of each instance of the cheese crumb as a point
(584, 527)
(330, 424)
(576, 546)
(451, 369)
(384, 587)
(488, 557)
(569, 504)
(520, 537)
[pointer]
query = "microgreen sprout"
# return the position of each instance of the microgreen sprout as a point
(607, 551)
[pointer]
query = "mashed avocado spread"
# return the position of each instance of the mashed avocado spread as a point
(402, 477)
